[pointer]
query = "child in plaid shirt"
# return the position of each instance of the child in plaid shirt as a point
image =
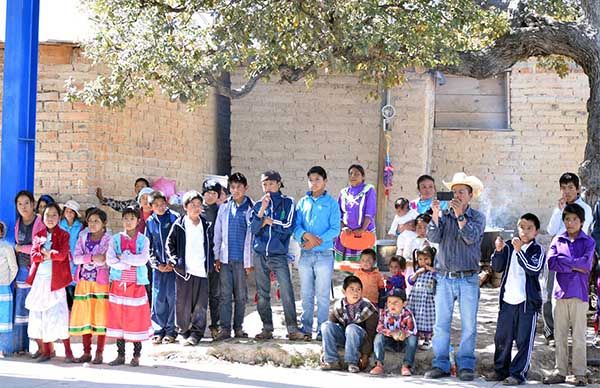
(396, 330)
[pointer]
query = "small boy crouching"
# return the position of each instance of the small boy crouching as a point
(521, 260)
(396, 330)
(352, 323)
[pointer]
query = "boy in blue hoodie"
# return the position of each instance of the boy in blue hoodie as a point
(272, 225)
(521, 261)
(317, 225)
(158, 226)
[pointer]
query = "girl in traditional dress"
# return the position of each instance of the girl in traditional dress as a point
(358, 204)
(421, 300)
(70, 223)
(50, 274)
(128, 307)
(8, 272)
(90, 303)
(27, 225)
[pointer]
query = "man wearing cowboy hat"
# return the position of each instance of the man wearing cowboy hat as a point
(459, 232)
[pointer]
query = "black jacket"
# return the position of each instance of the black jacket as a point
(176, 247)
(532, 262)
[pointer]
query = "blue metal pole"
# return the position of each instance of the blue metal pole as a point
(18, 105)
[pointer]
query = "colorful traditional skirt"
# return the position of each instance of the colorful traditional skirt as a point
(90, 307)
(128, 312)
(48, 311)
(20, 337)
(6, 319)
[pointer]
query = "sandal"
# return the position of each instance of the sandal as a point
(157, 339)
(377, 370)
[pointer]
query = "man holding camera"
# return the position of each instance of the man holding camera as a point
(459, 232)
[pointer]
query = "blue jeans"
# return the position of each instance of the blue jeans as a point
(263, 265)
(466, 292)
(163, 303)
(316, 270)
(233, 289)
(335, 335)
(409, 346)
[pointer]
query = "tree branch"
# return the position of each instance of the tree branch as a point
(226, 90)
(538, 36)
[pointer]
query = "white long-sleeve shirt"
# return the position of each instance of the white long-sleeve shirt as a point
(557, 226)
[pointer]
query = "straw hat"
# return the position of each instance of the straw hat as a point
(460, 178)
(73, 205)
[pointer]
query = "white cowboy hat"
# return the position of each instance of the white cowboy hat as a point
(73, 205)
(460, 178)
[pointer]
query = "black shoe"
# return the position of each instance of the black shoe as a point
(436, 373)
(494, 376)
(466, 375)
(510, 380)
(554, 379)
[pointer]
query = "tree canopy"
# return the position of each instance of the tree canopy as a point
(187, 46)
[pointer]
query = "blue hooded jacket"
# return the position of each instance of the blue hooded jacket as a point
(272, 240)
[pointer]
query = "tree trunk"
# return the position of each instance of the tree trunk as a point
(590, 168)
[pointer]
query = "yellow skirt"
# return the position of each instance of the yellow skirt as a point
(90, 306)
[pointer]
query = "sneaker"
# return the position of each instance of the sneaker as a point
(580, 381)
(214, 332)
(223, 335)
(157, 339)
(554, 379)
(510, 380)
(353, 368)
(425, 346)
(596, 342)
(168, 339)
(240, 334)
(405, 370)
(264, 335)
(191, 341)
(377, 370)
(335, 365)
(494, 376)
(466, 375)
(436, 373)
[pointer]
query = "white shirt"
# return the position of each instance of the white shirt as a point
(194, 248)
(407, 235)
(395, 224)
(514, 288)
(557, 226)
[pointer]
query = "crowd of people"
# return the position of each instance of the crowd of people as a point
(167, 277)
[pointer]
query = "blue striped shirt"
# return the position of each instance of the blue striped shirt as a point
(460, 249)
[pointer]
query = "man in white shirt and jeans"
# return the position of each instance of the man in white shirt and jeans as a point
(189, 254)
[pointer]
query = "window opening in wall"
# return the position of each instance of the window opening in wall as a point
(469, 103)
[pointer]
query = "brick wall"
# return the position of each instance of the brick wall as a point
(520, 168)
(291, 128)
(80, 148)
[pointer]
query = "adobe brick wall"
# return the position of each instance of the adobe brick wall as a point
(520, 168)
(290, 128)
(81, 147)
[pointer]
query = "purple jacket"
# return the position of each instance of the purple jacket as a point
(563, 257)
